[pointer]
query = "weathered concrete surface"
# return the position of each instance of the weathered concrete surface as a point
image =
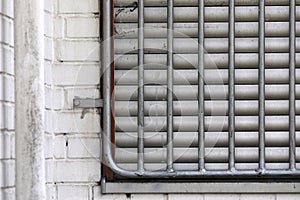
(29, 71)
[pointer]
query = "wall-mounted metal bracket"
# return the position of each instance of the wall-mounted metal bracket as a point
(87, 103)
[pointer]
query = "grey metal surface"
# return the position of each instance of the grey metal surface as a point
(201, 78)
(141, 86)
(231, 86)
(189, 61)
(211, 29)
(87, 103)
(227, 102)
(292, 85)
(275, 139)
(159, 3)
(212, 123)
(215, 92)
(212, 45)
(212, 14)
(262, 85)
(217, 107)
(170, 52)
(202, 187)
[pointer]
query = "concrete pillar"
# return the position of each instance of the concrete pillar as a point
(30, 102)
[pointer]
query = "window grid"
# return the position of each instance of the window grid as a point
(141, 172)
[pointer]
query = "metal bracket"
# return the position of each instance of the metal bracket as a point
(87, 103)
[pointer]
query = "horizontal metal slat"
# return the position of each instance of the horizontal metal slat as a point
(212, 139)
(122, 3)
(189, 92)
(208, 166)
(242, 29)
(212, 61)
(217, 155)
(190, 108)
(212, 123)
(215, 14)
(211, 45)
(190, 77)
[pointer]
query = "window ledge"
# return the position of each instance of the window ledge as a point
(200, 187)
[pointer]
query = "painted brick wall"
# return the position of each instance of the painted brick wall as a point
(7, 154)
(71, 143)
(74, 170)
(75, 72)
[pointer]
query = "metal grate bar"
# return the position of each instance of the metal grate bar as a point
(141, 86)
(107, 61)
(262, 85)
(170, 27)
(292, 83)
(201, 136)
(231, 106)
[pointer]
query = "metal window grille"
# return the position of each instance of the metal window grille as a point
(200, 89)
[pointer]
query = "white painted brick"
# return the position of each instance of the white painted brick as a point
(76, 75)
(77, 51)
(48, 73)
(58, 27)
(8, 93)
(221, 197)
(77, 171)
(7, 116)
(257, 197)
(288, 197)
(48, 5)
(54, 98)
(7, 194)
(80, 147)
(7, 171)
(57, 98)
(48, 48)
(71, 122)
(185, 197)
(78, 6)
(48, 146)
(86, 92)
(48, 97)
(60, 147)
(148, 196)
(7, 28)
(98, 196)
(49, 171)
(7, 8)
(76, 192)
(6, 145)
(48, 28)
(6, 59)
(50, 192)
(49, 124)
(82, 27)
(12, 146)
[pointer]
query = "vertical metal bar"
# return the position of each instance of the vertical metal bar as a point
(141, 86)
(170, 86)
(107, 64)
(292, 84)
(201, 131)
(231, 105)
(262, 85)
(107, 40)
